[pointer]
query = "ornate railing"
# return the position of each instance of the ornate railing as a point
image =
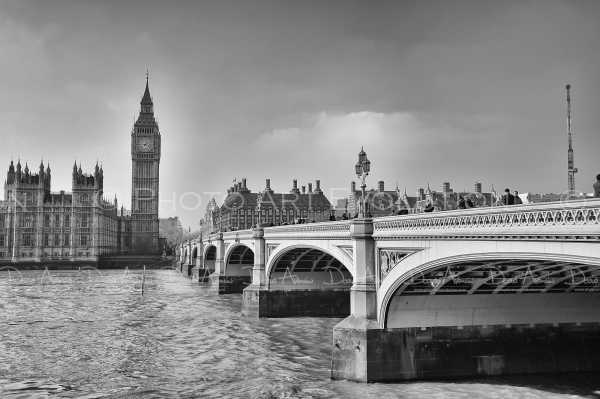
(579, 220)
(557, 220)
(337, 229)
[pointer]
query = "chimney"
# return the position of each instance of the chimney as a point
(353, 187)
(244, 184)
(294, 186)
(310, 188)
(303, 189)
(318, 189)
(478, 187)
(421, 193)
(446, 187)
(268, 184)
(380, 185)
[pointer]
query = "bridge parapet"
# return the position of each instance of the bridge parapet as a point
(570, 220)
(237, 235)
(338, 229)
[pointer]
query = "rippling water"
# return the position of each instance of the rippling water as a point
(83, 334)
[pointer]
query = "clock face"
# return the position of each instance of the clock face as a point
(145, 145)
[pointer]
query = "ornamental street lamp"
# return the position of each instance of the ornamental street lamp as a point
(363, 167)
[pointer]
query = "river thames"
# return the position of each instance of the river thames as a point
(91, 334)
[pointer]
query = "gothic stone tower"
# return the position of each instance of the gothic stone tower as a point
(145, 156)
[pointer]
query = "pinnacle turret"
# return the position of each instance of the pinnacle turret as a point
(146, 98)
(10, 177)
(146, 116)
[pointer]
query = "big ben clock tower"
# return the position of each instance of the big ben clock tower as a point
(145, 157)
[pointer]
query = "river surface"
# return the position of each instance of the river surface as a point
(90, 334)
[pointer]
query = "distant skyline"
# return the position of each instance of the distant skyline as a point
(459, 91)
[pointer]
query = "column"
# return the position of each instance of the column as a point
(73, 227)
(220, 258)
(199, 257)
(39, 231)
(218, 279)
(202, 272)
(187, 269)
(353, 355)
(16, 252)
(363, 294)
(255, 294)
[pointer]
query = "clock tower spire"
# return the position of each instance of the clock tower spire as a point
(145, 161)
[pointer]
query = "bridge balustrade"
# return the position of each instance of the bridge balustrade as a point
(556, 220)
(309, 230)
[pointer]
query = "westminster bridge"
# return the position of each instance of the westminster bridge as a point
(483, 291)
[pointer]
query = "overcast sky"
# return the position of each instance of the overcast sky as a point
(434, 91)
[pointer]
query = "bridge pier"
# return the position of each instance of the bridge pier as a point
(216, 280)
(444, 352)
(253, 296)
(295, 303)
(220, 284)
(201, 274)
(355, 354)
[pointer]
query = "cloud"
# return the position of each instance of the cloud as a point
(336, 134)
(405, 148)
(326, 145)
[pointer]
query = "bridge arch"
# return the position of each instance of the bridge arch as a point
(491, 288)
(210, 256)
(307, 280)
(307, 267)
(333, 251)
(239, 260)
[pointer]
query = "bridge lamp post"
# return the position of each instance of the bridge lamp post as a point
(363, 167)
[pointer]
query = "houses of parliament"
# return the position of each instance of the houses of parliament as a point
(38, 225)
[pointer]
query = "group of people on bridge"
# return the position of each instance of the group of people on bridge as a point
(510, 199)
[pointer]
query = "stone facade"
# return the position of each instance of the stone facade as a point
(243, 209)
(38, 225)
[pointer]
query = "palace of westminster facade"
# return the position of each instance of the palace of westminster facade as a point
(37, 224)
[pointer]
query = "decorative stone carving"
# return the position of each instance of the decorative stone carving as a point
(348, 250)
(270, 249)
(388, 259)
